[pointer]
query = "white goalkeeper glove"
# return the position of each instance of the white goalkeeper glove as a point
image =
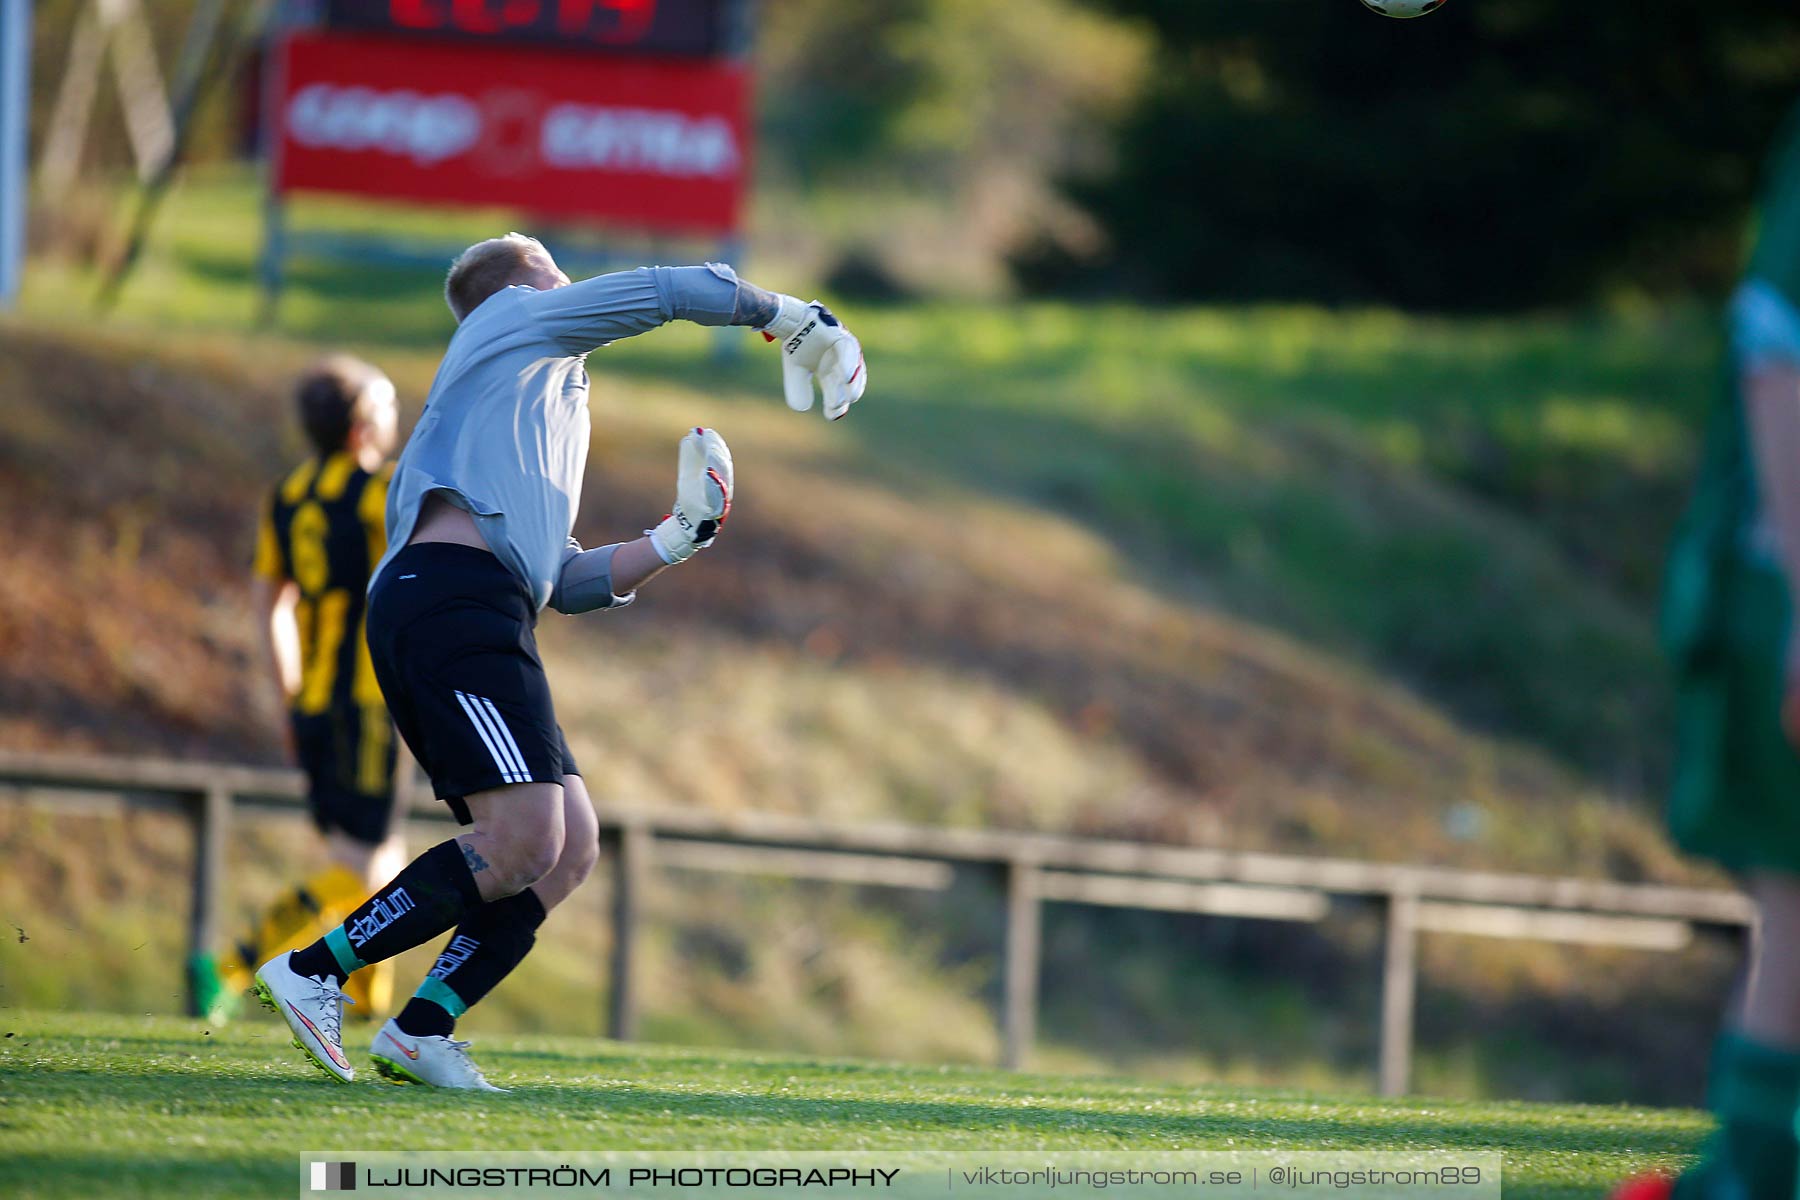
(703, 486)
(816, 346)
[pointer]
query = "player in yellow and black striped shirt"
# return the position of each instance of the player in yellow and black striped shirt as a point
(321, 532)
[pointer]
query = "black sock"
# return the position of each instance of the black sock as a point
(489, 943)
(434, 892)
(316, 960)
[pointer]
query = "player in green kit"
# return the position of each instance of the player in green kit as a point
(1729, 625)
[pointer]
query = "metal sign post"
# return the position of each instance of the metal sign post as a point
(15, 96)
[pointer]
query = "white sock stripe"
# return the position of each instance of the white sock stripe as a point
(506, 733)
(487, 738)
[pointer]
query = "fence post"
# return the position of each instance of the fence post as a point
(1024, 937)
(212, 819)
(1399, 975)
(631, 867)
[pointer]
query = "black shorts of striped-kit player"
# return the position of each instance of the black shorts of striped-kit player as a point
(451, 636)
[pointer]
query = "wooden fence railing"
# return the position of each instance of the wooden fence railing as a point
(1034, 869)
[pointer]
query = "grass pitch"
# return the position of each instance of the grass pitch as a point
(98, 1106)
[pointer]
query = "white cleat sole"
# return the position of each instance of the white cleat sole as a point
(296, 1027)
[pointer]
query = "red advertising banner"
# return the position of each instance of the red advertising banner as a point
(661, 144)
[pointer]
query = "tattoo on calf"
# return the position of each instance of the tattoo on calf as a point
(475, 861)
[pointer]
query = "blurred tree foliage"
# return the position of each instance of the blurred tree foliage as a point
(928, 135)
(1497, 154)
(105, 143)
(924, 137)
(83, 222)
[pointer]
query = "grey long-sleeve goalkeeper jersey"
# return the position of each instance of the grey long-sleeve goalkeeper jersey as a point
(504, 434)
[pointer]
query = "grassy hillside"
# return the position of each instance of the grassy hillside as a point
(126, 1106)
(875, 637)
(1285, 579)
(1472, 510)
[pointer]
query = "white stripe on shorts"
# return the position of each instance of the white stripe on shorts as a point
(478, 717)
(503, 738)
(506, 736)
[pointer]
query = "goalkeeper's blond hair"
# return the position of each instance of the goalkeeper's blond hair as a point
(485, 268)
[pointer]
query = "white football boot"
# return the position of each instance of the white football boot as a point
(434, 1061)
(313, 1009)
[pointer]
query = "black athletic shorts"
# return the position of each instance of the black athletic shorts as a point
(450, 633)
(347, 753)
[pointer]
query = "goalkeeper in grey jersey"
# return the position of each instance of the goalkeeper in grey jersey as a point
(479, 521)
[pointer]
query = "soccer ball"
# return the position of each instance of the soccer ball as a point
(1403, 8)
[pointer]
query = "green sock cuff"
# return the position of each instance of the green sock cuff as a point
(338, 942)
(439, 993)
(1754, 1082)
